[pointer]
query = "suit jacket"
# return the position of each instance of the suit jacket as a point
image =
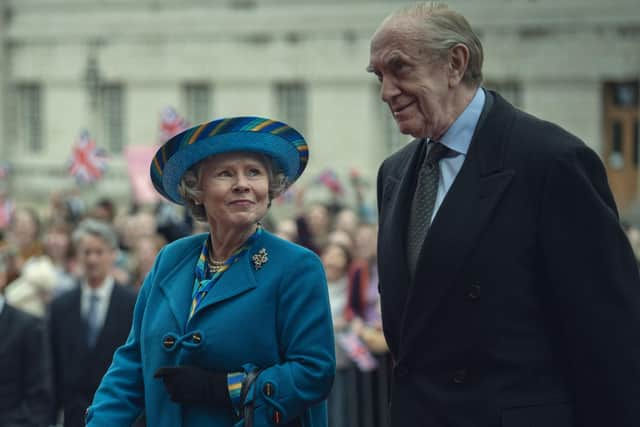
(275, 317)
(525, 309)
(25, 382)
(78, 368)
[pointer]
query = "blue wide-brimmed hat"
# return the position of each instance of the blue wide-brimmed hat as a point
(282, 143)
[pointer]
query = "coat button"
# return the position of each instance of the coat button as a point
(168, 342)
(473, 293)
(460, 376)
(196, 338)
(277, 417)
(267, 389)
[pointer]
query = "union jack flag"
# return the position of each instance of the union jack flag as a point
(330, 179)
(171, 123)
(357, 351)
(88, 162)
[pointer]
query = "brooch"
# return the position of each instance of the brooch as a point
(260, 258)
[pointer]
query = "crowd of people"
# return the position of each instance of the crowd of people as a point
(45, 260)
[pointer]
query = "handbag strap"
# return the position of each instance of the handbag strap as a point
(247, 409)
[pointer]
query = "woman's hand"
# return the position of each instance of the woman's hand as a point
(191, 384)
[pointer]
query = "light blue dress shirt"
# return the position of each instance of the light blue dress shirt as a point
(458, 138)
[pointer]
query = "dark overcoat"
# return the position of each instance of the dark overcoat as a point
(78, 368)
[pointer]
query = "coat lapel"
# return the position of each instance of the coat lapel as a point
(74, 317)
(110, 320)
(236, 280)
(394, 201)
(178, 284)
(460, 220)
(397, 194)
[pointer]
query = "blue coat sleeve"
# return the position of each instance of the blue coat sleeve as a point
(283, 392)
(120, 397)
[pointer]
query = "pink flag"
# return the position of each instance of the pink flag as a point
(138, 160)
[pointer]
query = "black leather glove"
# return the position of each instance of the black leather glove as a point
(190, 384)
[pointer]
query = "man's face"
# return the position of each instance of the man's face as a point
(96, 258)
(414, 84)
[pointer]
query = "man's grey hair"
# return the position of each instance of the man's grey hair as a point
(190, 191)
(439, 29)
(100, 229)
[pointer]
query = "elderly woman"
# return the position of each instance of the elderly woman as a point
(232, 327)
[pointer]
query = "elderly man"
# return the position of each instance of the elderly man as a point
(510, 294)
(87, 324)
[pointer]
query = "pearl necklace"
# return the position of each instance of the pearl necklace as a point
(215, 265)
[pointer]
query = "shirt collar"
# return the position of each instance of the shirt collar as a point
(1, 303)
(458, 136)
(103, 291)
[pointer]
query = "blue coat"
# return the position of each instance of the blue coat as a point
(276, 317)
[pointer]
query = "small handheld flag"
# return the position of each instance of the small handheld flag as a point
(88, 162)
(171, 124)
(330, 179)
(357, 351)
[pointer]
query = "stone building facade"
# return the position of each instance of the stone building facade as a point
(111, 66)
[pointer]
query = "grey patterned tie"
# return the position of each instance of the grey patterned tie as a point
(424, 200)
(92, 320)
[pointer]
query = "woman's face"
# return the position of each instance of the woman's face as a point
(24, 228)
(235, 190)
(334, 261)
(366, 242)
(318, 219)
(56, 244)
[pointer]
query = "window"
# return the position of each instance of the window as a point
(29, 116)
(197, 101)
(112, 103)
(292, 104)
(620, 150)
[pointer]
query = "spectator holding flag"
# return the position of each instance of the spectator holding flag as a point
(336, 259)
(351, 351)
(233, 326)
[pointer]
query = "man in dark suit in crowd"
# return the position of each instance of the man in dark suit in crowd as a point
(25, 381)
(510, 294)
(87, 324)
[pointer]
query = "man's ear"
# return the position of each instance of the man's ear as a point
(458, 63)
